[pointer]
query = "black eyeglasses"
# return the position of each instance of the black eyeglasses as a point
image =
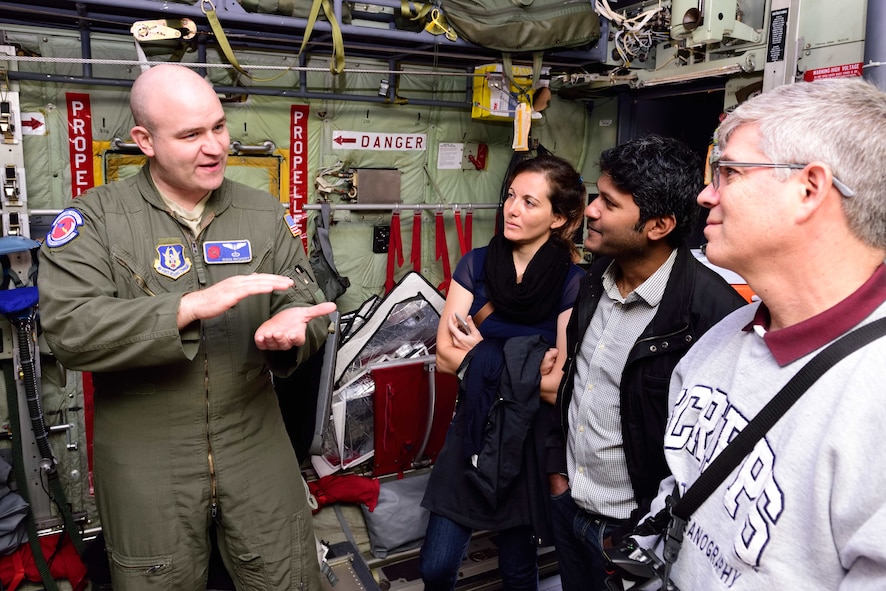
(717, 164)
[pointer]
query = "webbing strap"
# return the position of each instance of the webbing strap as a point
(442, 252)
(420, 14)
(460, 231)
(469, 228)
(345, 528)
(208, 9)
(58, 494)
(337, 64)
(24, 330)
(415, 254)
(395, 251)
(508, 70)
(21, 476)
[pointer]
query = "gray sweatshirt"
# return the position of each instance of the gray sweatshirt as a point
(807, 508)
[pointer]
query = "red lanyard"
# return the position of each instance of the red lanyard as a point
(395, 250)
(442, 252)
(464, 233)
(415, 256)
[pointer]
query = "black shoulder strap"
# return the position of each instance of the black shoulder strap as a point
(745, 441)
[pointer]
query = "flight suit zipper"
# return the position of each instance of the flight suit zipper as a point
(214, 508)
(198, 262)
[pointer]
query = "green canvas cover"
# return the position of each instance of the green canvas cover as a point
(524, 25)
(296, 8)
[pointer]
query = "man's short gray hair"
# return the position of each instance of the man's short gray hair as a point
(841, 122)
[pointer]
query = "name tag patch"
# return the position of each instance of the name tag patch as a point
(227, 251)
(171, 260)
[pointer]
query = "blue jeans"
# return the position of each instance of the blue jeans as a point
(446, 545)
(579, 537)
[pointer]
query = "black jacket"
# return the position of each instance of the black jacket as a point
(695, 299)
(511, 487)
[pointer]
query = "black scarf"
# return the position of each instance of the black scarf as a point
(537, 296)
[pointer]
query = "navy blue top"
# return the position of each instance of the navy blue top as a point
(450, 493)
(470, 274)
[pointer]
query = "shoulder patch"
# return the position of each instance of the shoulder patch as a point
(292, 225)
(171, 260)
(64, 228)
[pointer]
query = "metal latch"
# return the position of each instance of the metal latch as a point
(10, 185)
(161, 29)
(7, 125)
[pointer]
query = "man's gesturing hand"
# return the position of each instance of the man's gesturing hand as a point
(286, 329)
(224, 295)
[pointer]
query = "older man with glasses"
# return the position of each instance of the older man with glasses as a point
(807, 508)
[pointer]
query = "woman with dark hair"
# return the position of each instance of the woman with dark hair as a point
(502, 332)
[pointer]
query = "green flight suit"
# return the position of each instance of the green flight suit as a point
(187, 425)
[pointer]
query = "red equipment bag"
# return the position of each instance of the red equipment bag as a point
(406, 431)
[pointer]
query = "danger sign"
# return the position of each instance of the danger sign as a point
(844, 71)
(358, 140)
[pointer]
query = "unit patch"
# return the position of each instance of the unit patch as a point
(171, 260)
(292, 225)
(64, 228)
(227, 251)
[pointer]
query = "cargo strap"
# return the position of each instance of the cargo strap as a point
(442, 252)
(395, 251)
(414, 15)
(208, 8)
(415, 254)
(464, 231)
(508, 70)
(336, 65)
(56, 492)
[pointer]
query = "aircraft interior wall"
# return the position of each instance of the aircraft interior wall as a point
(401, 110)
